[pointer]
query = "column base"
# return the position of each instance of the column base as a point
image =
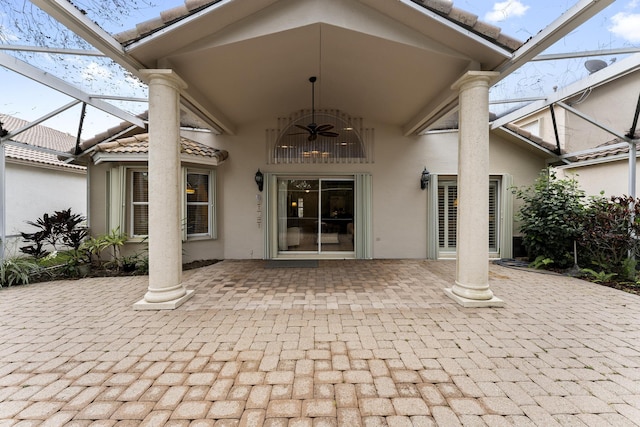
(474, 303)
(167, 305)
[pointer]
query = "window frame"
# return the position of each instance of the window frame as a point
(211, 226)
(132, 204)
(121, 204)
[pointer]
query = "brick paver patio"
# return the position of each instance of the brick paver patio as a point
(351, 343)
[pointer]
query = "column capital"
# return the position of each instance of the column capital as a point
(474, 77)
(164, 75)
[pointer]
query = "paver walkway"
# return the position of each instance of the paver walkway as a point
(351, 343)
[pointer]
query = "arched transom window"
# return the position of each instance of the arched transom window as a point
(328, 136)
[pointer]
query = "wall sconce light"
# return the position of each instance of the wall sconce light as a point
(259, 180)
(424, 179)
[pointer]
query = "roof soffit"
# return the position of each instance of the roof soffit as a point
(381, 60)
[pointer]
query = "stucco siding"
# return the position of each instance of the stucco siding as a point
(612, 178)
(33, 191)
(612, 105)
(399, 205)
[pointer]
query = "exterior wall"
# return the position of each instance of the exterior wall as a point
(32, 191)
(546, 130)
(612, 178)
(399, 205)
(612, 105)
(193, 250)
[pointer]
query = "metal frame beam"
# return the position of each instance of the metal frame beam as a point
(586, 53)
(619, 69)
(60, 85)
(567, 22)
(52, 50)
(40, 120)
(37, 148)
(67, 14)
(534, 145)
(593, 121)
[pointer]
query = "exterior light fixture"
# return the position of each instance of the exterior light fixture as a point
(424, 179)
(259, 180)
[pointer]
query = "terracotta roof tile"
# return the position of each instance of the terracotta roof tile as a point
(140, 144)
(533, 138)
(38, 136)
(606, 152)
(443, 8)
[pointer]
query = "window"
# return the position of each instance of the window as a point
(447, 215)
(198, 196)
(139, 203)
(129, 200)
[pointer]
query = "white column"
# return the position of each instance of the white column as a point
(3, 203)
(471, 288)
(165, 238)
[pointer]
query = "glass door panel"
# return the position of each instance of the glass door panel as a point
(336, 221)
(315, 215)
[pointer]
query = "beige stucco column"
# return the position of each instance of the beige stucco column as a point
(165, 238)
(471, 288)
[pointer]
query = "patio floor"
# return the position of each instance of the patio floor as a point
(349, 343)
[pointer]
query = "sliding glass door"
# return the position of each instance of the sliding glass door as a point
(316, 215)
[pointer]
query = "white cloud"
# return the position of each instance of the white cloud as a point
(626, 26)
(505, 10)
(95, 71)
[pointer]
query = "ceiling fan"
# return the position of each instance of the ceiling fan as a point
(313, 129)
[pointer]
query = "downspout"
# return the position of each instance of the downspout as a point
(555, 129)
(78, 140)
(632, 169)
(3, 204)
(632, 148)
(3, 201)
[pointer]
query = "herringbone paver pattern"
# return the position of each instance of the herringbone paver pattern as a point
(351, 343)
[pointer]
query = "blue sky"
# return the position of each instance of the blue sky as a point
(615, 27)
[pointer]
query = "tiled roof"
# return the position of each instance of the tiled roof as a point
(606, 152)
(443, 8)
(531, 137)
(38, 136)
(139, 144)
(115, 130)
(124, 129)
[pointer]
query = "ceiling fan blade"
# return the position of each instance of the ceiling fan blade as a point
(298, 133)
(329, 134)
(322, 128)
(304, 127)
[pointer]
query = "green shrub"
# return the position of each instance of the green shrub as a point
(609, 234)
(551, 217)
(17, 271)
(58, 230)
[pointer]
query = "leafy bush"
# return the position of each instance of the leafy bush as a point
(114, 241)
(609, 234)
(598, 276)
(61, 229)
(551, 217)
(16, 271)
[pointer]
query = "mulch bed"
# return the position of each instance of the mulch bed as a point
(632, 288)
